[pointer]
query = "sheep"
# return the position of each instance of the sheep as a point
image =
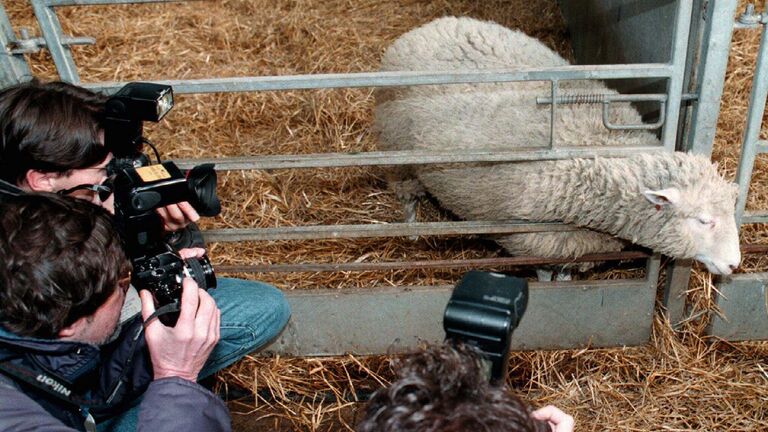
(674, 203)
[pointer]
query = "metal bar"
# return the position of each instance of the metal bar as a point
(318, 232)
(762, 146)
(757, 102)
(675, 289)
(752, 217)
(51, 30)
(715, 47)
(402, 78)
(429, 264)
(57, 3)
(552, 112)
(641, 126)
(408, 157)
(602, 98)
(13, 68)
(559, 315)
(675, 82)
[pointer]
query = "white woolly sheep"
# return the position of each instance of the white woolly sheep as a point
(673, 203)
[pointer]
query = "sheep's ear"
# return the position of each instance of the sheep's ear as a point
(663, 197)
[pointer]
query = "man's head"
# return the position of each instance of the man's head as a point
(51, 136)
(444, 389)
(62, 267)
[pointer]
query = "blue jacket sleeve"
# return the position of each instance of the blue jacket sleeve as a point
(176, 404)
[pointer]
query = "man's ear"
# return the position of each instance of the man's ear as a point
(663, 197)
(39, 181)
(71, 330)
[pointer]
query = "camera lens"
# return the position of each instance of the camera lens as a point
(201, 270)
(202, 190)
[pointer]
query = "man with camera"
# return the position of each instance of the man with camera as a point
(63, 280)
(52, 139)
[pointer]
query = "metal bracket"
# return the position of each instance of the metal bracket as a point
(607, 99)
(750, 19)
(30, 45)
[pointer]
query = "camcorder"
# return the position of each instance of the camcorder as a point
(140, 187)
(483, 311)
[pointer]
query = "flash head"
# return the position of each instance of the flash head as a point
(125, 111)
(484, 309)
(141, 102)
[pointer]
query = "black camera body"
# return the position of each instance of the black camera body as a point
(161, 272)
(483, 311)
(140, 188)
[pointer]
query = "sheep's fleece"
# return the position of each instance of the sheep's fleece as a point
(674, 203)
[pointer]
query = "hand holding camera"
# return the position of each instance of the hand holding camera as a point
(182, 350)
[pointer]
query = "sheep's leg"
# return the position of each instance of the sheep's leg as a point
(544, 275)
(409, 207)
(563, 275)
(408, 191)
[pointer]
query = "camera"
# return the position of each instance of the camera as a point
(140, 187)
(483, 311)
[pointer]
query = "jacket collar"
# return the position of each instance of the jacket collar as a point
(68, 360)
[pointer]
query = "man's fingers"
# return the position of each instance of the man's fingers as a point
(562, 421)
(189, 212)
(189, 302)
(194, 252)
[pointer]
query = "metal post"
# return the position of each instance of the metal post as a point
(677, 62)
(715, 46)
(13, 67)
(754, 119)
(52, 33)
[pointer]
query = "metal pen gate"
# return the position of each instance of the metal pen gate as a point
(595, 313)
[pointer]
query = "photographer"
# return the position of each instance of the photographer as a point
(63, 280)
(53, 141)
(444, 388)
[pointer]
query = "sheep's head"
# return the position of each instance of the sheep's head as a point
(699, 216)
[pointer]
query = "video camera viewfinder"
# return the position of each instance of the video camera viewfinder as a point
(483, 311)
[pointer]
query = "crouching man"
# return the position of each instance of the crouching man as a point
(63, 278)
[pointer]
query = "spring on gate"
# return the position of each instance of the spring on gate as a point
(581, 99)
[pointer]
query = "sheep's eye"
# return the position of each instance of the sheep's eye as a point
(706, 221)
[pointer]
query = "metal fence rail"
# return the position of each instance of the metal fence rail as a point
(715, 39)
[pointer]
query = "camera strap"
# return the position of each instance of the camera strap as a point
(162, 310)
(9, 190)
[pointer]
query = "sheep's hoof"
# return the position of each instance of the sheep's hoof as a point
(544, 275)
(563, 275)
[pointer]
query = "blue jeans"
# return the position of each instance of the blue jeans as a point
(252, 314)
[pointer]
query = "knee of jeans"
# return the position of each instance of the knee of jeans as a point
(253, 306)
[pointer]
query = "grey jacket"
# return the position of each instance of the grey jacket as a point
(168, 404)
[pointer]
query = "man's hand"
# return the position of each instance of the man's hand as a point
(182, 350)
(557, 419)
(177, 216)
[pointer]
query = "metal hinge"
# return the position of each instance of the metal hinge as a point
(29, 45)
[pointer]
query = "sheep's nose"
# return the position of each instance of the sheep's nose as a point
(733, 267)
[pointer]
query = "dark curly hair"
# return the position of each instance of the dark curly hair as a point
(443, 388)
(49, 127)
(60, 259)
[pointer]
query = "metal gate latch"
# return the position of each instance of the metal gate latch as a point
(29, 45)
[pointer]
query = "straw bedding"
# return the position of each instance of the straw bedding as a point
(677, 381)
